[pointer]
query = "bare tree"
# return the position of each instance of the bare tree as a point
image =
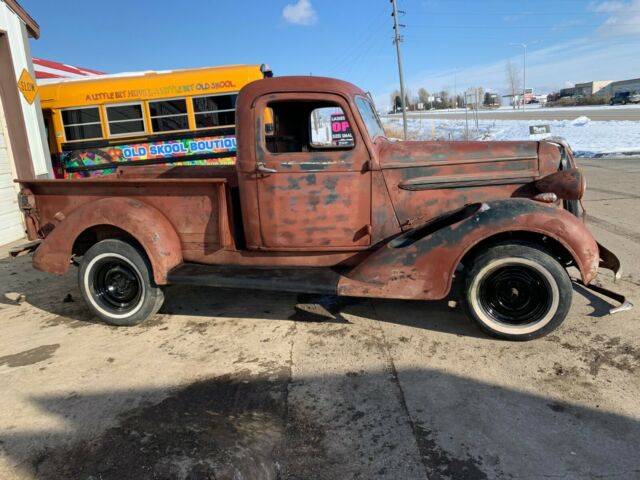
(513, 80)
(423, 96)
(476, 94)
(396, 100)
(445, 101)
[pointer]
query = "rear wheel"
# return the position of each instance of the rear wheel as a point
(116, 281)
(517, 292)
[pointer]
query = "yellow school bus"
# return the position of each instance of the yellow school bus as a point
(181, 117)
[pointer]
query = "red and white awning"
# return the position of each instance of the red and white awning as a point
(47, 69)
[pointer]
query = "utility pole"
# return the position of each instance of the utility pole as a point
(397, 39)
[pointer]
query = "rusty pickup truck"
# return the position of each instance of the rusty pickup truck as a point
(320, 201)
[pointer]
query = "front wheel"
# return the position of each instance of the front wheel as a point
(517, 292)
(116, 281)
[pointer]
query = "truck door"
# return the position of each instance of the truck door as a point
(313, 180)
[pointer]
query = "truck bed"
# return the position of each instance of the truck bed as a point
(197, 201)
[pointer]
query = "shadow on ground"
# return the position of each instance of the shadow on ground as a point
(59, 295)
(248, 427)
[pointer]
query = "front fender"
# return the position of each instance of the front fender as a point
(415, 267)
(143, 222)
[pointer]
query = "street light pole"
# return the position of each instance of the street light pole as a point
(524, 74)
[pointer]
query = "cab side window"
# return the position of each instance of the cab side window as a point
(306, 126)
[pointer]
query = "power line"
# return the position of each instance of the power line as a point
(520, 27)
(520, 14)
(354, 51)
(554, 13)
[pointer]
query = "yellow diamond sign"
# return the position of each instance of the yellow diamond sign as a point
(27, 86)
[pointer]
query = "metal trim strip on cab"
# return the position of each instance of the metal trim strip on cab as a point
(439, 163)
(428, 183)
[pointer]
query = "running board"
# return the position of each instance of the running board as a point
(294, 279)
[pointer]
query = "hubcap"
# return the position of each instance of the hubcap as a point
(116, 285)
(515, 295)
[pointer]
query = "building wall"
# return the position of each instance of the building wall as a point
(600, 87)
(632, 85)
(596, 87)
(11, 221)
(24, 151)
(16, 33)
(568, 92)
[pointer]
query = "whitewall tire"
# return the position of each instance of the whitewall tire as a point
(517, 292)
(116, 281)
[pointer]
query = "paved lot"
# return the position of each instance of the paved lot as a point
(619, 112)
(246, 385)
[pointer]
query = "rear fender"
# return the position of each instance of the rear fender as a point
(146, 224)
(422, 267)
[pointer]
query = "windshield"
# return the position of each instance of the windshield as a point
(370, 117)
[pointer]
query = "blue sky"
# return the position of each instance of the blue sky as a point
(447, 43)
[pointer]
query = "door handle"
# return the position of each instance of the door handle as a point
(262, 169)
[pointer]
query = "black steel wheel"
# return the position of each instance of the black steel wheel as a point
(517, 292)
(116, 284)
(116, 281)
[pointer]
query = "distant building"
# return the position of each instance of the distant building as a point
(541, 99)
(632, 85)
(517, 98)
(601, 88)
(595, 87)
(567, 92)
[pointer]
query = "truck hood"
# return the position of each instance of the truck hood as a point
(409, 154)
(427, 179)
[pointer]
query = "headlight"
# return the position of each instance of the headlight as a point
(566, 184)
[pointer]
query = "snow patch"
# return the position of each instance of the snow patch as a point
(580, 121)
(588, 138)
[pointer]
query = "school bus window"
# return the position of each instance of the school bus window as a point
(125, 119)
(215, 110)
(268, 121)
(169, 115)
(81, 123)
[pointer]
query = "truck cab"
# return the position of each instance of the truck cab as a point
(307, 187)
(320, 201)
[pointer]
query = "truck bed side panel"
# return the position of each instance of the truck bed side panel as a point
(197, 209)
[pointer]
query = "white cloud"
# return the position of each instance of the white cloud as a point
(606, 7)
(623, 17)
(300, 13)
